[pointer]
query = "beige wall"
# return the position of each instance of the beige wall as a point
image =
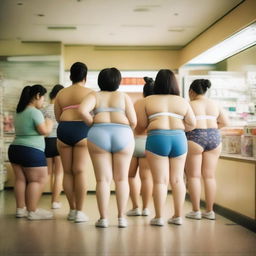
(122, 59)
(15, 48)
(236, 20)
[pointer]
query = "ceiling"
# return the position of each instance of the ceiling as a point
(110, 22)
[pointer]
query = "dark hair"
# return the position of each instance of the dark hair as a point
(27, 94)
(109, 79)
(56, 88)
(166, 83)
(148, 88)
(78, 72)
(200, 86)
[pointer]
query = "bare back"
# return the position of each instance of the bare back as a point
(172, 104)
(206, 107)
(70, 96)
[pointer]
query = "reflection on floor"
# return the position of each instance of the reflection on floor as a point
(58, 237)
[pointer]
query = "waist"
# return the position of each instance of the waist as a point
(165, 132)
(110, 124)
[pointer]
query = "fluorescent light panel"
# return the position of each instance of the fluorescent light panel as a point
(232, 45)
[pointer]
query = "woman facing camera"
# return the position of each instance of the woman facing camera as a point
(110, 141)
(139, 161)
(26, 153)
(204, 144)
(166, 115)
(72, 140)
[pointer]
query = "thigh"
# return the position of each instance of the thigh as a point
(121, 162)
(102, 162)
(209, 163)
(194, 160)
(159, 166)
(35, 174)
(49, 165)
(66, 153)
(177, 165)
(18, 172)
(57, 165)
(80, 156)
(144, 169)
(133, 167)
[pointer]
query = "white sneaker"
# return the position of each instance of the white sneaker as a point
(134, 212)
(157, 222)
(21, 212)
(56, 205)
(122, 223)
(71, 215)
(40, 214)
(194, 215)
(176, 221)
(81, 217)
(101, 223)
(209, 215)
(145, 212)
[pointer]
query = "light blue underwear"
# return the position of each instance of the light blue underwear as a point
(111, 137)
(140, 145)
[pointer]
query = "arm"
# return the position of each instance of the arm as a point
(189, 119)
(130, 112)
(142, 117)
(57, 109)
(222, 119)
(86, 106)
(46, 127)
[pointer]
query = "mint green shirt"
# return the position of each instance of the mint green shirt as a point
(25, 124)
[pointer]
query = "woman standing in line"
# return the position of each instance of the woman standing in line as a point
(139, 161)
(72, 140)
(166, 115)
(110, 141)
(55, 169)
(204, 147)
(26, 153)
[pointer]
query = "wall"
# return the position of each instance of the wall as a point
(125, 59)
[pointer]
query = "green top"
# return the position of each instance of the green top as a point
(25, 124)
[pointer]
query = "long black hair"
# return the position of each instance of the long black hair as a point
(200, 86)
(56, 88)
(27, 94)
(166, 83)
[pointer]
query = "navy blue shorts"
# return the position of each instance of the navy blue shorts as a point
(51, 147)
(26, 156)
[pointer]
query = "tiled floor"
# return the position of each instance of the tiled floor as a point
(58, 237)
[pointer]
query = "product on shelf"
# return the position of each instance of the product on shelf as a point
(247, 145)
(231, 140)
(254, 145)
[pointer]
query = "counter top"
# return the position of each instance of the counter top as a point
(237, 157)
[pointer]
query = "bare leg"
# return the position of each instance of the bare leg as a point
(102, 164)
(121, 162)
(193, 173)
(146, 182)
(20, 185)
(50, 171)
(159, 167)
(37, 179)
(133, 183)
(210, 160)
(80, 161)
(68, 180)
(177, 165)
(58, 179)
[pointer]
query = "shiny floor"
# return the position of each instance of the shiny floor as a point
(58, 237)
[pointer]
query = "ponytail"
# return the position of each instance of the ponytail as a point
(27, 94)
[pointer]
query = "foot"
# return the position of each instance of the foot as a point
(122, 223)
(145, 212)
(21, 212)
(176, 221)
(209, 215)
(101, 223)
(56, 205)
(40, 214)
(71, 215)
(81, 217)
(194, 215)
(134, 212)
(157, 222)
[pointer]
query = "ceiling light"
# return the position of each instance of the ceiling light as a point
(62, 27)
(232, 45)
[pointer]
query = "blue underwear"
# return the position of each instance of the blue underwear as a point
(208, 139)
(171, 143)
(26, 156)
(140, 145)
(71, 132)
(110, 137)
(51, 147)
